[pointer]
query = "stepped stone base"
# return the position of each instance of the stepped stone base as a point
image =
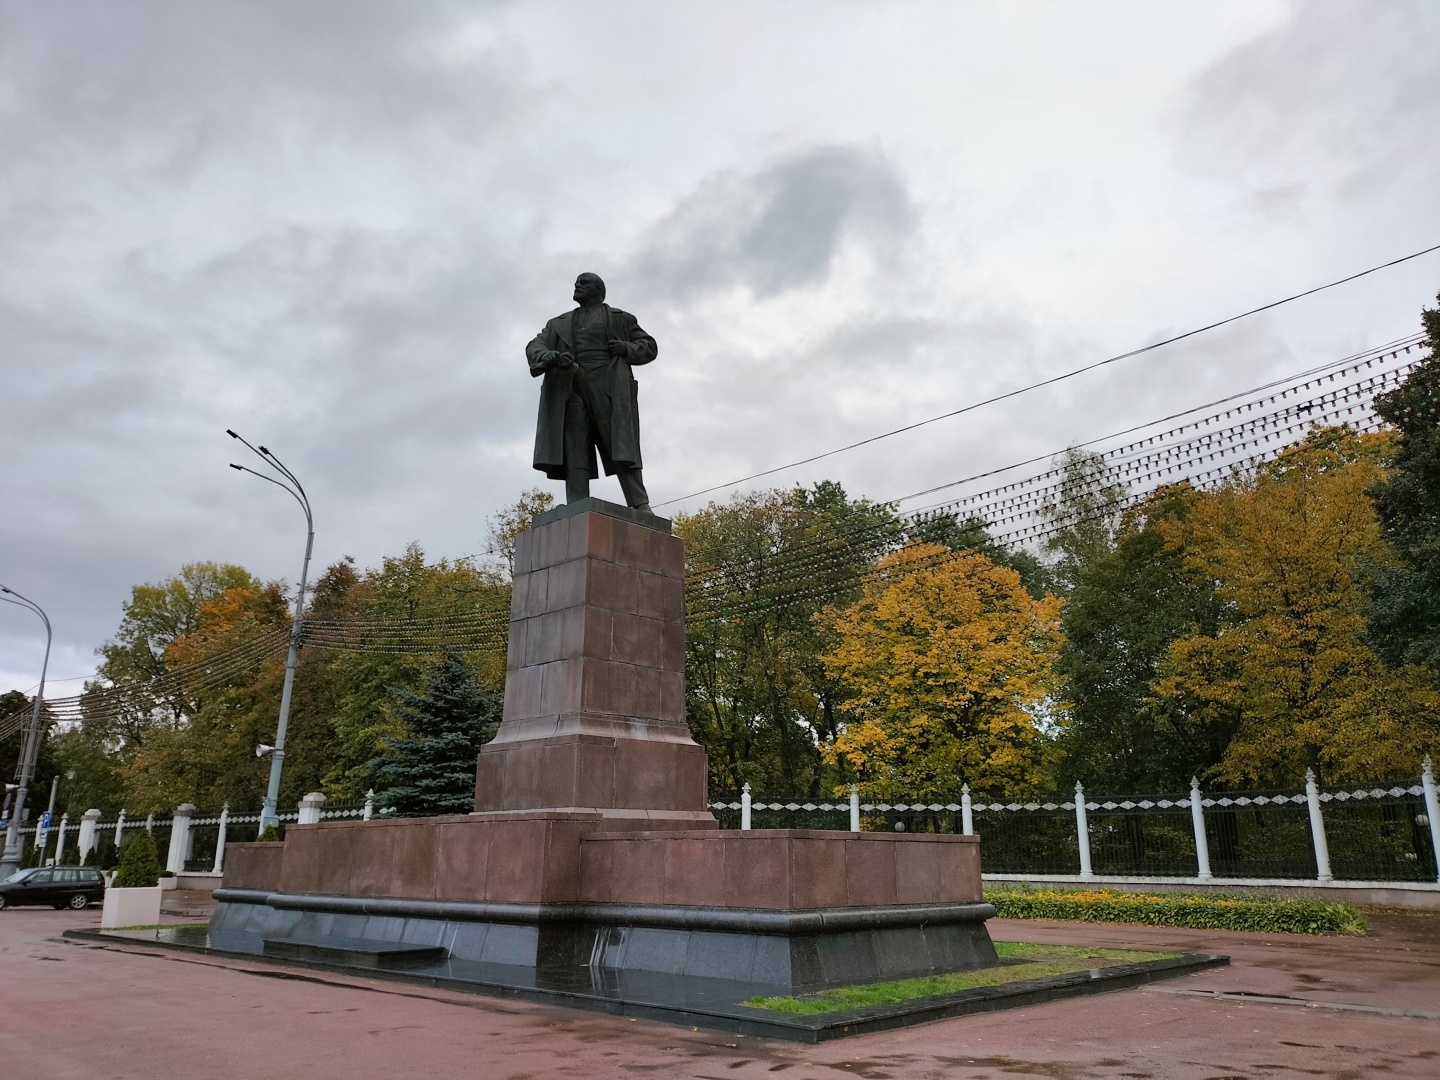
(782, 908)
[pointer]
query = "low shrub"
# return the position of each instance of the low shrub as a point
(1271, 914)
(268, 835)
(103, 856)
(71, 856)
(139, 863)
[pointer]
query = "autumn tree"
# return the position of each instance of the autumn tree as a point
(120, 707)
(206, 754)
(1287, 668)
(1404, 612)
(759, 567)
(947, 662)
(948, 530)
(1126, 606)
(398, 598)
(509, 523)
(1083, 515)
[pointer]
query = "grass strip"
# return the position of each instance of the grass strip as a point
(1214, 911)
(1020, 961)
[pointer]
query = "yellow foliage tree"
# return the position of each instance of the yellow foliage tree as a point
(1289, 666)
(947, 660)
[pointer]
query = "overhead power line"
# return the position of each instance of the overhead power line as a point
(1213, 444)
(1053, 379)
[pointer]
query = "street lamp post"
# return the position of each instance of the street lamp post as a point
(288, 482)
(10, 860)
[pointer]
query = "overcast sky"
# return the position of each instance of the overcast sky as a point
(334, 226)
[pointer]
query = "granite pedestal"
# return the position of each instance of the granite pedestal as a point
(591, 844)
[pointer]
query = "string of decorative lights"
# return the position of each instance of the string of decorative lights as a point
(1015, 514)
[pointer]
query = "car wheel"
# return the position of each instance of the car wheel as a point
(3, 901)
(79, 902)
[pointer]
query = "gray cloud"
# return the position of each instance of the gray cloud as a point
(780, 227)
(1333, 94)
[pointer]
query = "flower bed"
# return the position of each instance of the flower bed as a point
(1271, 914)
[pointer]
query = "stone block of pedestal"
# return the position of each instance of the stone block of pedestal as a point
(594, 716)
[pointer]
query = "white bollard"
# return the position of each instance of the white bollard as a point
(369, 810)
(967, 811)
(60, 839)
(219, 864)
(89, 821)
(854, 807)
(310, 807)
(119, 828)
(1432, 809)
(1317, 828)
(745, 806)
(1082, 831)
(1197, 819)
(179, 839)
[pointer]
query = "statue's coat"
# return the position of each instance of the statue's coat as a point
(624, 435)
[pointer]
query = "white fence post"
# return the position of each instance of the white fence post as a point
(219, 864)
(1082, 831)
(88, 823)
(60, 839)
(119, 828)
(150, 823)
(310, 807)
(1317, 828)
(369, 810)
(967, 815)
(854, 807)
(745, 806)
(1432, 809)
(1197, 819)
(179, 839)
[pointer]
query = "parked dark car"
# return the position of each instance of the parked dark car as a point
(58, 886)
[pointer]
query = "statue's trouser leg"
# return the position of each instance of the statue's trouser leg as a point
(633, 485)
(577, 449)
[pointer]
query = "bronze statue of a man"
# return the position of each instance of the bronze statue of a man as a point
(590, 400)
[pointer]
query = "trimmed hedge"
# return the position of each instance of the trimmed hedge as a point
(1272, 914)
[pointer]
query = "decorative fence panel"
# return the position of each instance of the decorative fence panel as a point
(1383, 833)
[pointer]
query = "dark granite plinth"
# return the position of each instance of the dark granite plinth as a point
(352, 952)
(781, 950)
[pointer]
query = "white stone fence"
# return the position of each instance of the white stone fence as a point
(180, 828)
(1312, 799)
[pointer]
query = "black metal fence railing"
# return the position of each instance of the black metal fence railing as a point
(1382, 833)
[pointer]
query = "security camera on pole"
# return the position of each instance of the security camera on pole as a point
(10, 860)
(288, 482)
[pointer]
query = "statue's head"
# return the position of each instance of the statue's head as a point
(589, 289)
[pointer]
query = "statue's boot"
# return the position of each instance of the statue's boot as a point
(633, 485)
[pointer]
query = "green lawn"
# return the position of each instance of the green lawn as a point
(1018, 961)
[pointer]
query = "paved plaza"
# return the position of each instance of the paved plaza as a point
(1287, 1007)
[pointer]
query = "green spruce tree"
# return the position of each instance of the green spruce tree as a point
(1404, 615)
(432, 769)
